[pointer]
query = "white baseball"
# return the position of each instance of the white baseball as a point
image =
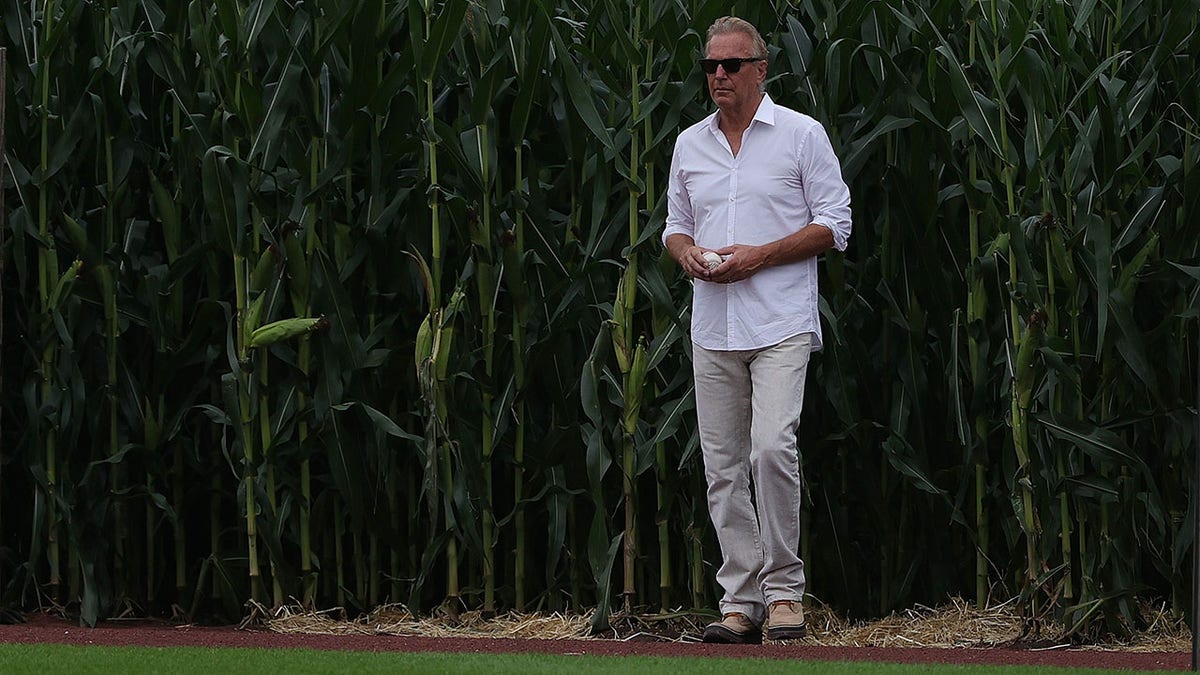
(711, 259)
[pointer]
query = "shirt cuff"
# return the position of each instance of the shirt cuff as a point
(841, 237)
(674, 229)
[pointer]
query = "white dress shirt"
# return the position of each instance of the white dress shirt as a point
(784, 177)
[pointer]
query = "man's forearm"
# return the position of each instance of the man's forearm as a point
(810, 241)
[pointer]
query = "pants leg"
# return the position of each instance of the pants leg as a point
(778, 374)
(723, 417)
(748, 406)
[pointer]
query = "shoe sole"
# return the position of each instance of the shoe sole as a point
(787, 632)
(722, 635)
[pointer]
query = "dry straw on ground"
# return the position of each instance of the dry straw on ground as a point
(954, 625)
(398, 620)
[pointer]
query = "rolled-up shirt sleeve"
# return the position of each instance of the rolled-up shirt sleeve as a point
(826, 191)
(679, 203)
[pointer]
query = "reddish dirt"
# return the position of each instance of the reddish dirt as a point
(42, 628)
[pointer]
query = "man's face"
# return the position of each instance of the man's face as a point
(734, 91)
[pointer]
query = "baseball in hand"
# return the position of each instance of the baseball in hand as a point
(711, 259)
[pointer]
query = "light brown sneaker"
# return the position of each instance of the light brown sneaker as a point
(785, 621)
(734, 629)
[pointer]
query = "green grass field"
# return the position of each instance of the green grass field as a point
(49, 658)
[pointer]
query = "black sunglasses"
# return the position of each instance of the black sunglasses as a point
(730, 65)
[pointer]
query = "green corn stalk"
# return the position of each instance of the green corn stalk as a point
(111, 330)
(390, 467)
(267, 441)
(1064, 506)
(663, 521)
(244, 383)
(487, 282)
(481, 233)
(432, 357)
(632, 385)
(529, 55)
(633, 368)
(60, 308)
(394, 473)
(172, 232)
(887, 481)
(104, 139)
(1065, 264)
(513, 244)
(1019, 411)
(1023, 381)
(441, 351)
(48, 270)
(373, 571)
(215, 468)
(299, 278)
(244, 387)
(660, 321)
(514, 254)
(436, 396)
(116, 473)
(109, 290)
(631, 382)
(298, 257)
(661, 325)
(260, 291)
(486, 286)
(1065, 267)
(432, 152)
(976, 316)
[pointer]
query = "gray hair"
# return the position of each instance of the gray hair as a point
(732, 24)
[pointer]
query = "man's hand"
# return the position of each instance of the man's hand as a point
(741, 262)
(689, 256)
(693, 263)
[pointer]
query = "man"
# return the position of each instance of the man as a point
(759, 185)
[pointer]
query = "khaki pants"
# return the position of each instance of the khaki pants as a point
(748, 407)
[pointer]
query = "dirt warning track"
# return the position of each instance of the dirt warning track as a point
(45, 629)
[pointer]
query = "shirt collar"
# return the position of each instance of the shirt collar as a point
(764, 114)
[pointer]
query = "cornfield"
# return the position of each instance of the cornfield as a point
(362, 302)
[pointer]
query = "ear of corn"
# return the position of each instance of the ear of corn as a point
(63, 287)
(285, 329)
